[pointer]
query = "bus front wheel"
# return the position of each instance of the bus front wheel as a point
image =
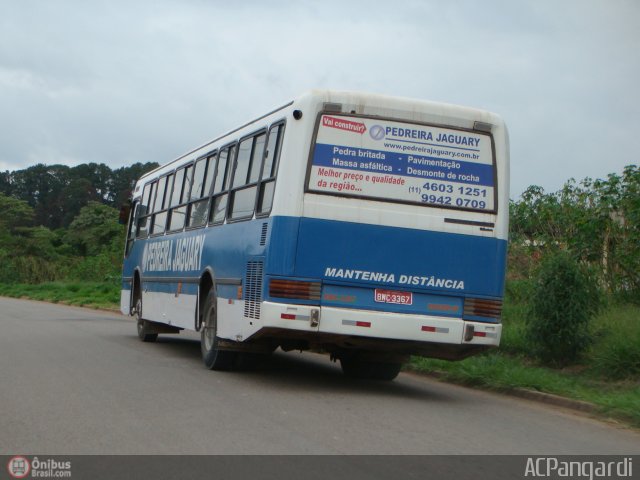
(213, 357)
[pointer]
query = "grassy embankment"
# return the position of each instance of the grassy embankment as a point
(84, 294)
(608, 375)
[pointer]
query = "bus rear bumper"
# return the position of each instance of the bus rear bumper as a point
(352, 323)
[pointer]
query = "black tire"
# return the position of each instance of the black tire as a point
(213, 358)
(143, 325)
(354, 367)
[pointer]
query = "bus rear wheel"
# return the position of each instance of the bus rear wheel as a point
(143, 325)
(213, 357)
(355, 367)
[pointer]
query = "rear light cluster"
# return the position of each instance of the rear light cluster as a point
(295, 289)
(480, 307)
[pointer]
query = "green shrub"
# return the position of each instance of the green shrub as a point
(563, 300)
(101, 267)
(29, 269)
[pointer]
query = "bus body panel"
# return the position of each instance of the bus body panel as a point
(170, 268)
(401, 258)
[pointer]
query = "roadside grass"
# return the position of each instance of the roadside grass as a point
(500, 372)
(608, 375)
(83, 294)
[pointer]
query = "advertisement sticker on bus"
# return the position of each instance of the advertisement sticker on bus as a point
(402, 162)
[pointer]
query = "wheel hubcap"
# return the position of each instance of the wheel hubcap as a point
(209, 329)
(139, 316)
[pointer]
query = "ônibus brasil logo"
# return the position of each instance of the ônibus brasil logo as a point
(19, 467)
(377, 132)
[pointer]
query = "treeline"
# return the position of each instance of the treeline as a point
(61, 223)
(597, 222)
(57, 193)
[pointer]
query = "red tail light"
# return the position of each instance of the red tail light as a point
(480, 307)
(295, 289)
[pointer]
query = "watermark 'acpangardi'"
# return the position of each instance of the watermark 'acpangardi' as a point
(551, 466)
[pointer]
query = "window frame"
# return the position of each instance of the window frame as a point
(181, 203)
(210, 158)
(232, 151)
(281, 126)
(234, 190)
(132, 227)
(164, 207)
(151, 184)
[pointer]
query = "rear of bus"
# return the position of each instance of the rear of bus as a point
(398, 244)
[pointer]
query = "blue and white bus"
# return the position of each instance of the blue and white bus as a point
(364, 226)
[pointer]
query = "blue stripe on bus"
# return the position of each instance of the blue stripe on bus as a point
(226, 248)
(330, 251)
(325, 156)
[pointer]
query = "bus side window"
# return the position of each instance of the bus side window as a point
(178, 210)
(148, 196)
(221, 184)
(241, 166)
(199, 198)
(268, 178)
(159, 213)
(141, 225)
(131, 232)
(243, 193)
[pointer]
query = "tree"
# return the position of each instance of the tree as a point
(27, 254)
(40, 202)
(597, 221)
(58, 192)
(124, 179)
(5, 183)
(15, 213)
(96, 229)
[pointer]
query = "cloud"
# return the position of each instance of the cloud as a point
(145, 81)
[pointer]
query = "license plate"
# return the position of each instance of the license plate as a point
(391, 296)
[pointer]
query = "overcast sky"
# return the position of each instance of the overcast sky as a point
(123, 82)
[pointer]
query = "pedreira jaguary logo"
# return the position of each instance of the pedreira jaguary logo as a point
(184, 254)
(22, 467)
(377, 132)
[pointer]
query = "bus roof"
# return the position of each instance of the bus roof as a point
(357, 102)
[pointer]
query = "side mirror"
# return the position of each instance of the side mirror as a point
(125, 210)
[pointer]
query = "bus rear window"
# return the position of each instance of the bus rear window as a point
(401, 162)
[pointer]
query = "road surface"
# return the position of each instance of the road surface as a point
(78, 381)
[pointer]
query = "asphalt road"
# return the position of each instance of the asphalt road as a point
(77, 381)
